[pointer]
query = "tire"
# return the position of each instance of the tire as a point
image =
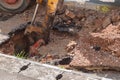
(18, 7)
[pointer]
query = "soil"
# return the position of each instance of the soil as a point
(82, 38)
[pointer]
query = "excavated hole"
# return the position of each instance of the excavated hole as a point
(19, 46)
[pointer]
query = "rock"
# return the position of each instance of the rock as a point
(71, 46)
(69, 14)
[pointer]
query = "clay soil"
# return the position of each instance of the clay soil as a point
(80, 38)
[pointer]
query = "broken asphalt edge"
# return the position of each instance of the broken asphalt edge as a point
(41, 71)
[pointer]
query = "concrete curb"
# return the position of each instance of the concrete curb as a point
(40, 71)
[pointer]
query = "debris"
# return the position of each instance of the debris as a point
(71, 46)
(65, 61)
(69, 14)
(97, 48)
(47, 58)
(58, 77)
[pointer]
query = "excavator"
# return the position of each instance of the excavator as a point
(34, 34)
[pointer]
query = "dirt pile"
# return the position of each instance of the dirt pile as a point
(99, 39)
(99, 51)
(111, 34)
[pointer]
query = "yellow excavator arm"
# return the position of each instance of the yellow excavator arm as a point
(50, 11)
(40, 34)
(52, 4)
